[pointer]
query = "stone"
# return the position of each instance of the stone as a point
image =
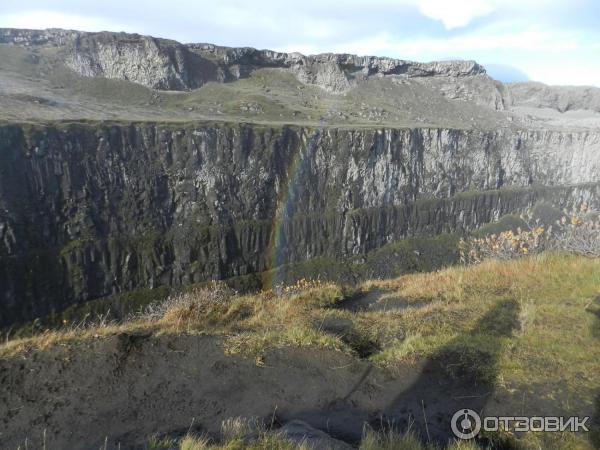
(301, 433)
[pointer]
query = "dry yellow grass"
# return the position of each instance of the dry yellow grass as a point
(554, 295)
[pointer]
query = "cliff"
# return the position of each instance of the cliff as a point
(89, 210)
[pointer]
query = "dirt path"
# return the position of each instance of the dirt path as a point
(125, 388)
(377, 300)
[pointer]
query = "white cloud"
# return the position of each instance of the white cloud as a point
(483, 40)
(549, 56)
(580, 73)
(459, 13)
(455, 14)
(525, 40)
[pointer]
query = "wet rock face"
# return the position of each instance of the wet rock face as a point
(87, 211)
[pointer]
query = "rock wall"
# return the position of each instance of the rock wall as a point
(560, 98)
(88, 210)
(154, 63)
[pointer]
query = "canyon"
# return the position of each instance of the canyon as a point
(129, 162)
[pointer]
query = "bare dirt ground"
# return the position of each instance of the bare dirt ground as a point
(128, 387)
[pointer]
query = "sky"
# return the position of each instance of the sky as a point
(555, 42)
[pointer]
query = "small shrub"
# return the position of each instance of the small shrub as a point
(506, 245)
(300, 285)
(191, 307)
(578, 232)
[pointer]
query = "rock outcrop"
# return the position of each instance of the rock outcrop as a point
(302, 434)
(559, 98)
(151, 62)
(52, 37)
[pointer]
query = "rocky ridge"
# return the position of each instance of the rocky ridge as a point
(168, 65)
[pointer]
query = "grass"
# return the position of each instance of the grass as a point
(372, 441)
(406, 441)
(273, 440)
(554, 294)
(385, 440)
(530, 323)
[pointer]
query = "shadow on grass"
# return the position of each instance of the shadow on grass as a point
(595, 310)
(460, 375)
(595, 424)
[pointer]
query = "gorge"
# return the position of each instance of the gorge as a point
(174, 186)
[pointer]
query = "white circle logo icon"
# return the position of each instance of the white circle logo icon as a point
(465, 424)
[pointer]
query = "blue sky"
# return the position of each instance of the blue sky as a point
(556, 42)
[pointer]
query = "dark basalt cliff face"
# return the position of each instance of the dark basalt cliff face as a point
(89, 210)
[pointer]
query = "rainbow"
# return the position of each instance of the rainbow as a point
(286, 201)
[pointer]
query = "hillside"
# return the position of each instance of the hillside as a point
(61, 74)
(405, 350)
